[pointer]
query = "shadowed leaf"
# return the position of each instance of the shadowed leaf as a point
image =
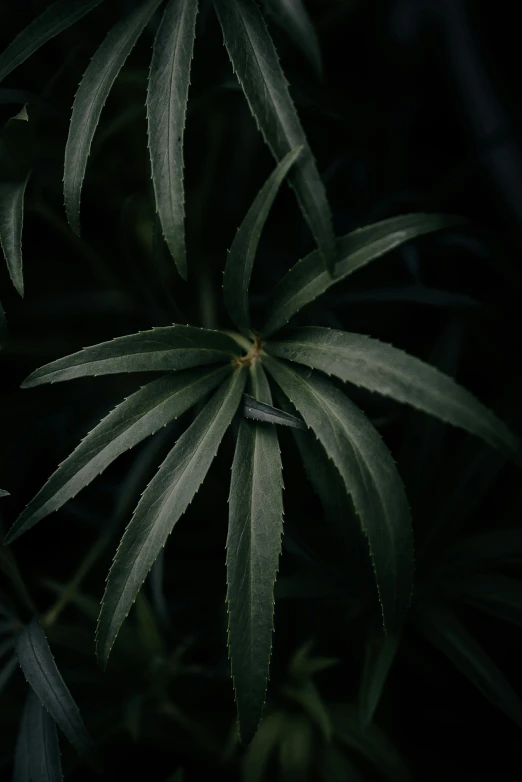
(92, 93)
(167, 348)
(241, 256)
(370, 477)
(57, 17)
(307, 279)
(167, 97)
(39, 668)
(253, 549)
(162, 504)
(257, 68)
(382, 368)
(140, 415)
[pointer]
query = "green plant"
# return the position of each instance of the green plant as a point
(234, 377)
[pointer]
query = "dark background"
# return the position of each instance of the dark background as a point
(419, 110)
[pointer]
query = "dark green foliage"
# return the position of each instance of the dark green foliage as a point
(238, 410)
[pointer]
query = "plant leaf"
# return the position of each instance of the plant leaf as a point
(91, 96)
(11, 222)
(379, 655)
(7, 670)
(480, 551)
(336, 767)
(140, 415)
(308, 279)
(258, 755)
(56, 18)
(241, 256)
(257, 68)
(293, 17)
(255, 530)
(167, 97)
(382, 368)
(258, 411)
(39, 667)
(4, 493)
(370, 477)
(45, 764)
(168, 348)
(296, 749)
(441, 627)
(370, 742)
(162, 504)
(22, 771)
(495, 594)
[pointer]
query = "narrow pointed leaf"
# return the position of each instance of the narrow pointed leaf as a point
(295, 749)
(91, 96)
(370, 476)
(370, 742)
(379, 655)
(481, 551)
(495, 594)
(257, 67)
(39, 668)
(22, 771)
(293, 17)
(4, 493)
(56, 18)
(441, 627)
(255, 529)
(240, 260)
(140, 415)
(167, 97)
(258, 755)
(259, 411)
(6, 670)
(308, 279)
(11, 223)
(162, 504)
(45, 763)
(382, 368)
(168, 348)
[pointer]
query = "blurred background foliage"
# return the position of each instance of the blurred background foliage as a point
(419, 109)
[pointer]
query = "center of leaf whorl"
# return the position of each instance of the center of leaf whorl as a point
(252, 355)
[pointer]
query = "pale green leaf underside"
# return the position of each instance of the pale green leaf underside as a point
(370, 477)
(11, 224)
(240, 262)
(293, 17)
(255, 528)
(91, 96)
(42, 675)
(41, 740)
(162, 504)
(4, 493)
(167, 97)
(444, 630)
(140, 415)
(257, 68)
(56, 18)
(259, 411)
(382, 368)
(168, 348)
(307, 279)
